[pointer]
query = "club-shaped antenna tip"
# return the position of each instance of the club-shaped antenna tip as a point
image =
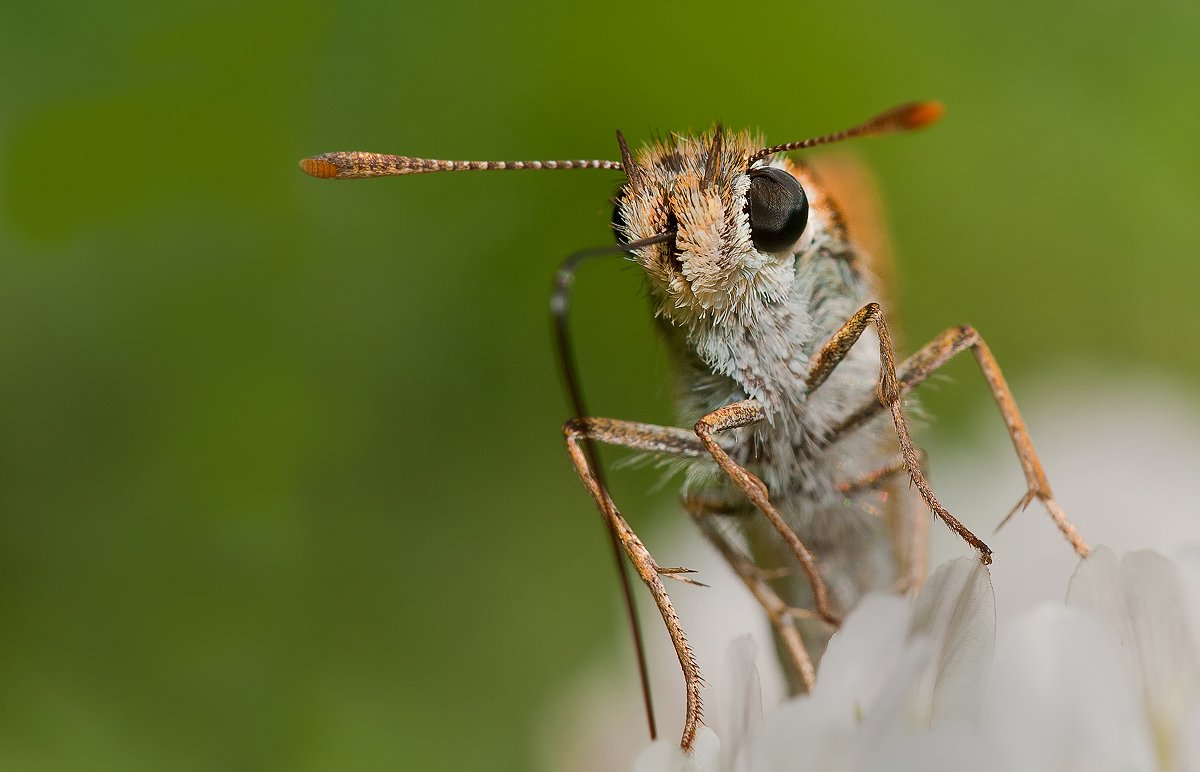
(922, 114)
(319, 167)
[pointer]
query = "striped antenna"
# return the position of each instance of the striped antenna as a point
(356, 164)
(914, 115)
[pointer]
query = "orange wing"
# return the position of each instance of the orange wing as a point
(851, 187)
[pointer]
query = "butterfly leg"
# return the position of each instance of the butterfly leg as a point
(910, 534)
(656, 439)
(917, 368)
(781, 615)
(735, 416)
(833, 352)
(876, 477)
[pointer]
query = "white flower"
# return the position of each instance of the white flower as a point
(1109, 681)
(890, 673)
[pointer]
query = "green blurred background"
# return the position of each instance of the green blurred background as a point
(281, 479)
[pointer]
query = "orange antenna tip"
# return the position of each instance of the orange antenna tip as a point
(319, 167)
(903, 118)
(921, 114)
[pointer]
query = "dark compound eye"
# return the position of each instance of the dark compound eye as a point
(618, 222)
(778, 209)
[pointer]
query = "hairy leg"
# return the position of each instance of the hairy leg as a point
(917, 368)
(781, 615)
(735, 416)
(658, 439)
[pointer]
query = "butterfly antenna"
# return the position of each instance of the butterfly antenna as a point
(914, 115)
(357, 164)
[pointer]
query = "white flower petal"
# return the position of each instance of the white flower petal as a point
(661, 756)
(1096, 587)
(803, 735)
(958, 748)
(957, 612)
(665, 755)
(739, 708)
(1189, 748)
(1060, 698)
(1189, 574)
(944, 662)
(1166, 655)
(867, 647)
(1144, 602)
(895, 713)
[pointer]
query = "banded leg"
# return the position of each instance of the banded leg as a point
(781, 615)
(917, 368)
(873, 478)
(912, 544)
(735, 416)
(658, 439)
(910, 533)
(833, 352)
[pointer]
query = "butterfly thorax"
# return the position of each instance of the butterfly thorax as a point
(742, 322)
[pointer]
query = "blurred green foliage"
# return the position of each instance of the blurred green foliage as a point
(281, 481)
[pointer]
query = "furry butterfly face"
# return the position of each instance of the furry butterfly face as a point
(736, 222)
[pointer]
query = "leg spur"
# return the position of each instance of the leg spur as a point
(659, 439)
(895, 382)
